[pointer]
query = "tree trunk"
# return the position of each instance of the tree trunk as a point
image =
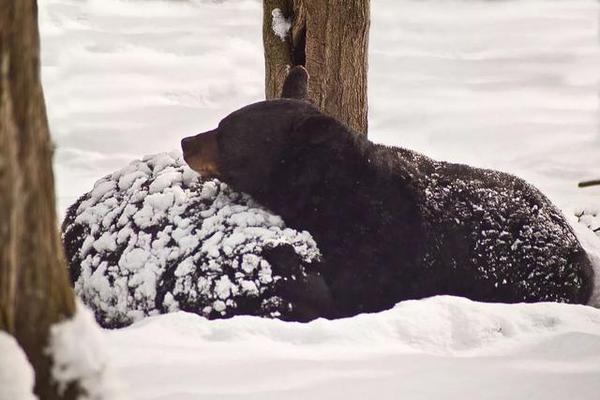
(34, 287)
(330, 39)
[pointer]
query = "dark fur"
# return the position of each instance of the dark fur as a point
(296, 84)
(393, 224)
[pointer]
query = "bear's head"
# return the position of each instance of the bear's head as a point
(259, 146)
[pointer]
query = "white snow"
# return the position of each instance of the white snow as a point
(77, 348)
(106, 242)
(280, 25)
(584, 227)
(438, 348)
(511, 85)
(16, 373)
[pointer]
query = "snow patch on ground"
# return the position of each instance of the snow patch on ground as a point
(16, 373)
(442, 347)
(77, 347)
(441, 325)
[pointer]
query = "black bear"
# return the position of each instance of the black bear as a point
(393, 224)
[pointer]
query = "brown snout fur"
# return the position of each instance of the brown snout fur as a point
(201, 153)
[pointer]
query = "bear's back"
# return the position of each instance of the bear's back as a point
(498, 227)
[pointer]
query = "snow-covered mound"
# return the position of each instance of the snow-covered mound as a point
(16, 373)
(154, 237)
(438, 348)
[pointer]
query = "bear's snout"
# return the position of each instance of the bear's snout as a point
(186, 144)
(201, 153)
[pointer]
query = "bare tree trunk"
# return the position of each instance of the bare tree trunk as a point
(330, 39)
(34, 287)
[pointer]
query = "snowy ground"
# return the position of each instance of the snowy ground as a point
(439, 348)
(511, 85)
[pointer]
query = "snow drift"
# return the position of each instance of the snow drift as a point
(437, 348)
(16, 374)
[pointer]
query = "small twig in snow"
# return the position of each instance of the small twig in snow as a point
(589, 183)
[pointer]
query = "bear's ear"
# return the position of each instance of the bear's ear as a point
(318, 129)
(296, 84)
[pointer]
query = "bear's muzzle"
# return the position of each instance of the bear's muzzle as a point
(201, 153)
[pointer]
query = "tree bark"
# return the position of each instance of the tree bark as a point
(330, 39)
(34, 287)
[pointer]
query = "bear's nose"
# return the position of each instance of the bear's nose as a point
(186, 144)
